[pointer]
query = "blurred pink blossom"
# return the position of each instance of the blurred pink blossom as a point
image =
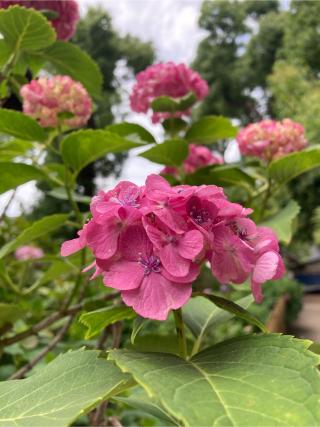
(270, 139)
(28, 252)
(65, 23)
(166, 79)
(45, 98)
(149, 242)
(199, 157)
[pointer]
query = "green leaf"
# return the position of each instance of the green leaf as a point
(61, 194)
(201, 315)
(39, 228)
(9, 313)
(169, 153)
(138, 324)
(58, 393)
(56, 270)
(211, 129)
(19, 125)
(236, 310)
(14, 174)
(224, 176)
(25, 29)
(85, 146)
(70, 59)
(97, 320)
(142, 401)
(282, 222)
(257, 380)
(174, 125)
(288, 167)
(167, 104)
(5, 53)
(131, 131)
(159, 343)
(12, 149)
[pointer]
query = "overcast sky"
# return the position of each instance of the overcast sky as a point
(171, 25)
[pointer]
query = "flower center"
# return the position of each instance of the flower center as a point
(199, 216)
(240, 232)
(150, 264)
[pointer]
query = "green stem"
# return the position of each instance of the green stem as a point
(180, 333)
(265, 201)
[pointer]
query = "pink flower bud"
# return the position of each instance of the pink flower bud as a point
(28, 252)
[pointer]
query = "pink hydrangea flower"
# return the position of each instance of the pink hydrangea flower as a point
(45, 98)
(149, 243)
(28, 252)
(65, 23)
(166, 79)
(270, 139)
(199, 157)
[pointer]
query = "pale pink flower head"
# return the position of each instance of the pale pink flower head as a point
(149, 242)
(199, 157)
(270, 139)
(166, 79)
(24, 253)
(45, 98)
(65, 23)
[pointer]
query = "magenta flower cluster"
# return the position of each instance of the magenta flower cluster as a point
(199, 157)
(45, 99)
(149, 243)
(270, 139)
(65, 23)
(26, 252)
(166, 79)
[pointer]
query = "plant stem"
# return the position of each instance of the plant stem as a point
(180, 333)
(265, 201)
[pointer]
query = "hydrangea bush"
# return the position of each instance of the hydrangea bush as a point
(159, 256)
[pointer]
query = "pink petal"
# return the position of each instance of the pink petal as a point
(189, 278)
(157, 296)
(191, 244)
(71, 246)
(173, 262)
(134, 243)
(266, 267)
(157, 188)
(103, 239)
(124, 275)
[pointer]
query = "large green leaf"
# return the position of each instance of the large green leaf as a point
(85, 146)
(211, 129)
(169, 153)
(97, 320)
(288, 167)
(11, 149)
(25, 29)
(282, 222)
(14, 174)
(69, 59)
(19, 125)
(201, 316)
(131, 131)
(9, 313)
(257, 380)
(5, 53)
(39, 228)
(224, 175)
(58, 393)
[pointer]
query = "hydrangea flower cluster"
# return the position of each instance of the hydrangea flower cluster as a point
(149, 243)
(45, 98)
(28, 252)
(65, 23)
(166, 79)
(199, 157)
(270, 139)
